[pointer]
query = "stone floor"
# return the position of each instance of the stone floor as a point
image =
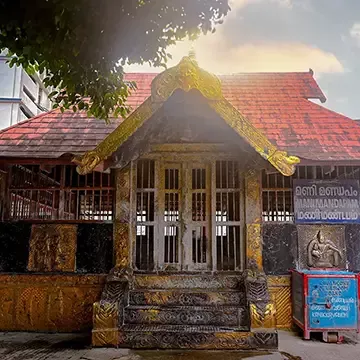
(30, 346)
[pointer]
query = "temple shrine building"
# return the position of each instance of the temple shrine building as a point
(177, 227)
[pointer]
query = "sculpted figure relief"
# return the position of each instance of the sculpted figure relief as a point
(322, 252)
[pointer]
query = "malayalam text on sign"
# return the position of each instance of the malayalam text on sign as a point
(318, 201)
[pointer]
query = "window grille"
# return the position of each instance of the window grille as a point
(228, 216)
(145, 215)
(58, 193)
(172, 197)
(277, 190)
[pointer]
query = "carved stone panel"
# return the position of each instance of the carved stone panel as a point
(52, 248)
(322, 246)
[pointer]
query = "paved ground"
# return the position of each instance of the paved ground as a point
(25, 346)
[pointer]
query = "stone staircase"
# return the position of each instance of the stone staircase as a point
(190, 311)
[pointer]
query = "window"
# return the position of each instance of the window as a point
(277, 190)
(59, 193)
(25, 113)
(28, 94)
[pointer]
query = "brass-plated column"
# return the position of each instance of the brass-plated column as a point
(108, 312)
(262, 311)
(253, 219)
(122, 218)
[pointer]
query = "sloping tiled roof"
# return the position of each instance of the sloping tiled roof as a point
(276, 103)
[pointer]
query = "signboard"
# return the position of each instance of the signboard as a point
(318, 201)
(332, 303)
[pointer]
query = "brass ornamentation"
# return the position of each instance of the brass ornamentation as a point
(262, 316)
(279, 159)
(253, 197)
(52, 248)
(60, 303)
(87, 162)
(121, 244)
(122, 219)
(283, 162)
(254, 246)
(280, 292)
(187, 75)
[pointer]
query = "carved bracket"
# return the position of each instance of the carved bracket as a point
(108, 313)
(262, 310)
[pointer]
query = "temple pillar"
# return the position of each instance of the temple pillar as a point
(262, 311)
(253, 219)
(108, 312)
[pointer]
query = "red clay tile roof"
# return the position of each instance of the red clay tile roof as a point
(276, 103)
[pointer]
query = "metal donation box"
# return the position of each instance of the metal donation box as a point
(325, 301)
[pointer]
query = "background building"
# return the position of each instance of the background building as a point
(22, 96)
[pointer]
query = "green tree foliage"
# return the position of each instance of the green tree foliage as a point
(82, 45)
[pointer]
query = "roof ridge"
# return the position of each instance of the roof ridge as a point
(29, 120)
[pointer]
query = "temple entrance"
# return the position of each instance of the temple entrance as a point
(189, 216)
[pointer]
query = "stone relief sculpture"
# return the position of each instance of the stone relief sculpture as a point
(52, 248)
(322, 252)
(321, 246)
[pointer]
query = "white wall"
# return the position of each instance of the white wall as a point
(9, 114)
(10, 80)
(18, 90)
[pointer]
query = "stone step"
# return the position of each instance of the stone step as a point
(188, 315)
(187, 297)
(188, 281)
(195, 337)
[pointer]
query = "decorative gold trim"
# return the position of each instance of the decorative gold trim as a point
(87, 162)
(262, 317)
(187, 75)
(279, 159)
(254, 246)
(280, 293)
(283, 280)
(56, 303)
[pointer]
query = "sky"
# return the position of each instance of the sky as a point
(286, 35)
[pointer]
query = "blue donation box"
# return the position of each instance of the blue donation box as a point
(326, 302)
